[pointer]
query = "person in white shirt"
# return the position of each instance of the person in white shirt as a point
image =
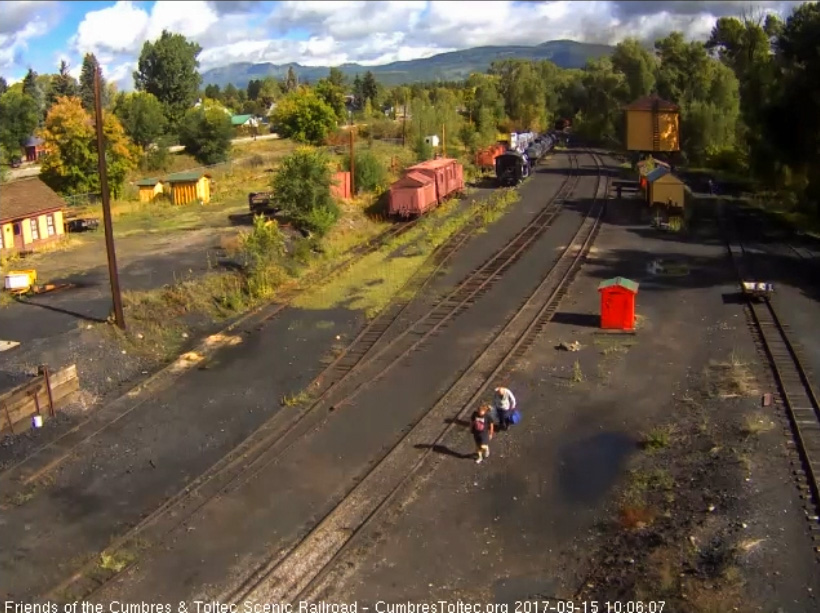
(503, 404)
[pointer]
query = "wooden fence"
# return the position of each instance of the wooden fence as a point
(40, 396)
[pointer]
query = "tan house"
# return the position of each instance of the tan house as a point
(31, 215)
(665, 188)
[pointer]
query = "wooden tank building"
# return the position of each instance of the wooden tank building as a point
(652, 125)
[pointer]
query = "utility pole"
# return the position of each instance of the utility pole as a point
(113, 274)
(404, 125)
(443, 142)
(352, 164)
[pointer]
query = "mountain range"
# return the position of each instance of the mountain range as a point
(451, 66)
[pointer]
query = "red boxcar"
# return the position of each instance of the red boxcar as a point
(413, 194)
(447, 173)
(486, 157)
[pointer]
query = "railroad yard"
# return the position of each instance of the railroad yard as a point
(325, 456)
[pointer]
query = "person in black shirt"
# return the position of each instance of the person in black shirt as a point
(482, 427)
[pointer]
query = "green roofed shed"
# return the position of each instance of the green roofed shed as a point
(185, 177)
(148, 182)
(240, 120)
(632, 286)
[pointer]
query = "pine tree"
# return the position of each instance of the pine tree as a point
(62, 84)
(291, 83)
(90, 64)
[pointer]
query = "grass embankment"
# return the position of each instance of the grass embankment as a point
(372, 282)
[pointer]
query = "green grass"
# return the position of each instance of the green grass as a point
(371, 283)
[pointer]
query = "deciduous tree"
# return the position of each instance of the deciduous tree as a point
(142, 117)
(70, 166)
(19, 117)
(169, 69)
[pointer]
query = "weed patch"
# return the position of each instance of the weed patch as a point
(730, 379)
(659, 438)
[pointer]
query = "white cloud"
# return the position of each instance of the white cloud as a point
(334, 32)
(22, 22)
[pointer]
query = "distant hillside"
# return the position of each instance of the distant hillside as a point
(451, 66)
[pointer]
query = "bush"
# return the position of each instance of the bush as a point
(301, 188)
(261, 249)
(304, 117)
(206, 135)
(727, 159)
(370, 175)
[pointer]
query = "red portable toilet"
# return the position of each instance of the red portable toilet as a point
(618, 304)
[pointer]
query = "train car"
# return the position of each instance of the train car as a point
(412, 195)
(485, 159)
(424, 186)
(511, 168)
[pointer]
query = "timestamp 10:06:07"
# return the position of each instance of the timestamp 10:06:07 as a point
(589, 606)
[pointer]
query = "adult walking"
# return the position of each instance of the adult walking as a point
(482, 427)
(504, 404)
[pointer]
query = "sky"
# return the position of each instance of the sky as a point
(40, 34)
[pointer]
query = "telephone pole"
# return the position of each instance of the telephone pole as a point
(404, 125)
(113, 274)
(352, 164)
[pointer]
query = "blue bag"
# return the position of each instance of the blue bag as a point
(515, 417)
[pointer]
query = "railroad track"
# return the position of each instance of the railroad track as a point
(298, 572)
(284, 429)
(59, 449)
(795, 390)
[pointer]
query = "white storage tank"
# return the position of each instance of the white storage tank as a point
(431, 140)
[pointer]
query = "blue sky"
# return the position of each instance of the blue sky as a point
(38, 34)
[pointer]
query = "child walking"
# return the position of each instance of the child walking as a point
(482, 428)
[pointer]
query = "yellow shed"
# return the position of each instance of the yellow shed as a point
(189, 186)
(149, 189)
(665, 188)
(652, 124)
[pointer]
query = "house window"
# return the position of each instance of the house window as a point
(34, 231)
(50, 224)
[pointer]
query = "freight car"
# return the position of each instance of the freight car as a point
(511, 168)
(485, 159)
(424, 186)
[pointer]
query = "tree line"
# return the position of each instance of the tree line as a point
(749, 99)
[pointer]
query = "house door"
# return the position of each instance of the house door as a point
(18, 235)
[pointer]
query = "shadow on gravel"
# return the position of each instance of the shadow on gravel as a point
(590, 467)
(444, 450)
(56, 309)
(584, 320)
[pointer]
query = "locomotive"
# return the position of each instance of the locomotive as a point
(517, 162)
